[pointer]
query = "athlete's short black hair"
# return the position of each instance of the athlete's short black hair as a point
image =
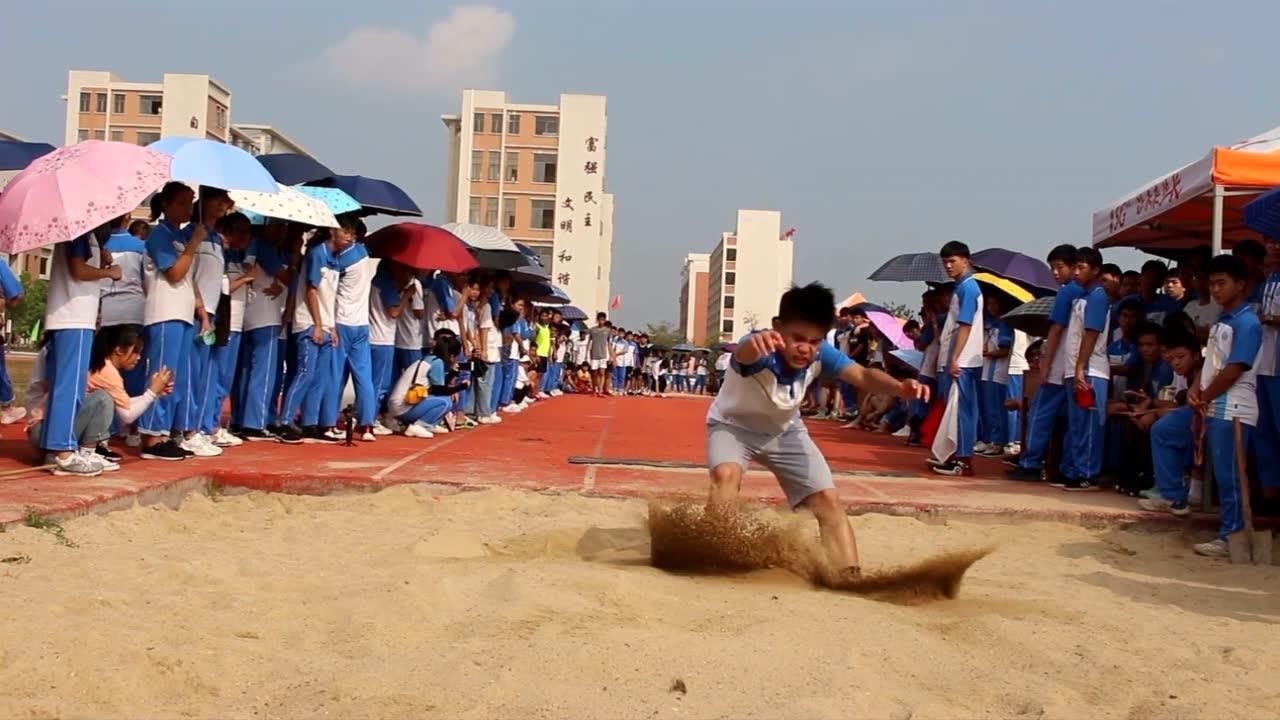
(1089, 256)
(1228, 265)
(955, 248)
(1149, 328)
(814, 303)
(1174, 338)
(1063, 253)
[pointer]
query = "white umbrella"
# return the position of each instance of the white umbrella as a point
(481, 237)
(287, 204)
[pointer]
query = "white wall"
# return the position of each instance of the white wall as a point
(187, 96)
(582, 118)
(694, 263)
(763, 269)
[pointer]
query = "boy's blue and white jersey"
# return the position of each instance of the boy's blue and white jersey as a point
(765, 396)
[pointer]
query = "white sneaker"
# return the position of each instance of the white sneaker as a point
(904, 431)
(200, 446)
(380, 429)
(74, 464)
(417, 431)
(1013, 448)
(981, 448)
(557, 392)
(224, 438)
(440, 429)
(1216, 548)
(513, 408)
(543, 396)
(489, 420)
(11, 415)
(335, 434)
(133, 441)
(104, 464)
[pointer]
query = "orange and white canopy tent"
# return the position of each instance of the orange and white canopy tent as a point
(855, 299)
(1200, 203)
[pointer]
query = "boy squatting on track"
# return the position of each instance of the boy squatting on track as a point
(756, 415)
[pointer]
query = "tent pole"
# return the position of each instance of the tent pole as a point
(1217, 218)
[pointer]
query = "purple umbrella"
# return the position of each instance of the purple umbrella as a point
(890, 328)
(1015, 266)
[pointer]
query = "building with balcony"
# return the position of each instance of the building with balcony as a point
(101, 106)
(747, 273)
(537, 172)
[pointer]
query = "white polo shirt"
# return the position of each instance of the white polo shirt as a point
(966, 309)
(320, 271)
(408, 325)
(383, 295)
(207, 269)
(1235, 339)
(1091, 310)
(167, 301)
(355, 284)
(72, 304)
(261, 310)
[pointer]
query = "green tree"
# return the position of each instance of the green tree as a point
(900, 310)
(30, 311)
(664, 334)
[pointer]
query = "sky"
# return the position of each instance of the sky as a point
(875, 128)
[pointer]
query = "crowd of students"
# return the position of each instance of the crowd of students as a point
(152, 329)
(1143, 378)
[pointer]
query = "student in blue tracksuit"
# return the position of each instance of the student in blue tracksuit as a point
(123, 302)
(997, 348)
(264, 262)
(514, 344)
(1173, 436)
(10, 294)
(409, 328)
(390, 295)
(960, 356)
(352, 358)
(224, 360)
(1049, 403)
(207, 271)
(71, 313)
(1088, 370)
(314, 334)
(1267, 445)
(1227, 394)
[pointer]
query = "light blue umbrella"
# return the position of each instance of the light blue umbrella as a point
(206, 162)
(338, 201)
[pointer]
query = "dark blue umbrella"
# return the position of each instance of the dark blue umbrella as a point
(377, 196)
(1031, 318)
(572, 313)
(534, 257)
(912, 267)
(500, 259)
(530, 273)
(1263, 213)
(294, 169)
(16, 155)
(1015, 266)
(541, 292)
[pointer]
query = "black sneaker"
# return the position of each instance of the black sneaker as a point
(177, 445)
(955, 468)
(316, 434)
(255, 435)
(915, 439)
(1080, 486)
(167, 450)
(1022, 474)
(287, 434)
(107, 453)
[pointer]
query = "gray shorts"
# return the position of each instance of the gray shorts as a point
(792, 457)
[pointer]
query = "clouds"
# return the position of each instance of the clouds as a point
(459, 51)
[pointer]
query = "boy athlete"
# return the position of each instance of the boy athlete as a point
(756, 414)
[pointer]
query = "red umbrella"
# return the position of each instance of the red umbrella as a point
(421, 247)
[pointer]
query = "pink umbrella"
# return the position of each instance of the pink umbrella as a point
(75, 189)
(890, 329)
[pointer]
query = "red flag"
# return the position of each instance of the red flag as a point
(616, 302)
(789, 233)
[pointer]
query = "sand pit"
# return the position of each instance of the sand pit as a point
(510, 605)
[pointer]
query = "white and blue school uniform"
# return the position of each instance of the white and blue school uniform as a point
(314, 362)
(995, 376)
(224, 360)
(383, 297)
(439, 297)
(123, 301)
(260, 347)
(1161, 307)
(12, 290)
(511, 363)
(167, 314)
(1083, 450)
(70, 316)
(966, 309)
(353, 357)
(1013, 386)
(409, 328)
(1267, 445)
(208, 267)
(1049, 403)
(430, 410)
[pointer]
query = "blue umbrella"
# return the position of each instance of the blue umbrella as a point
(206, 162)
(499, 259)
(910, 356)
(293, 168)
(541, 292)
(338, 201)
(1015, 266)
(912, 267)
(378, 196)
(530, 273)
(534, 257)
(1263, 213)
(572, 313)
(18, 155)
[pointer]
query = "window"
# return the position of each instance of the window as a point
(149, 104)
(727, 326)
(544, 168)
(495, 164)
(146, 138)
(513, 166)
(100, 102)
(545, 254)
(544, 214)
(473, 215)
(117, 136)
(491, 210)
(495, 123)
(546, 125)
(477, 122)
(477, 161)
(731, 254)
(99, 134)
(513, 124)
(82, 134)
(730, 277)
(84, 102)
(508, 212)
(117, 103)
(728, 302)
(220, 117)
(44, 263)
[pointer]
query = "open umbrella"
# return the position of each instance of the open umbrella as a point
(910, 356)
(912, 267)
(543, 292)
(1016, 266)
(1261, 214)
(336, 200)
(889, 326)
(1008, 287)
(684, 347)
(16, 155)
(286, 204)
(207, 162)
(75, 189)
(483, 237)
(374, 195)
(294, 168)
(421, 247)
(500, 259)
(530, 273)
(1031, 318)
(534, 257)
(572, 313)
